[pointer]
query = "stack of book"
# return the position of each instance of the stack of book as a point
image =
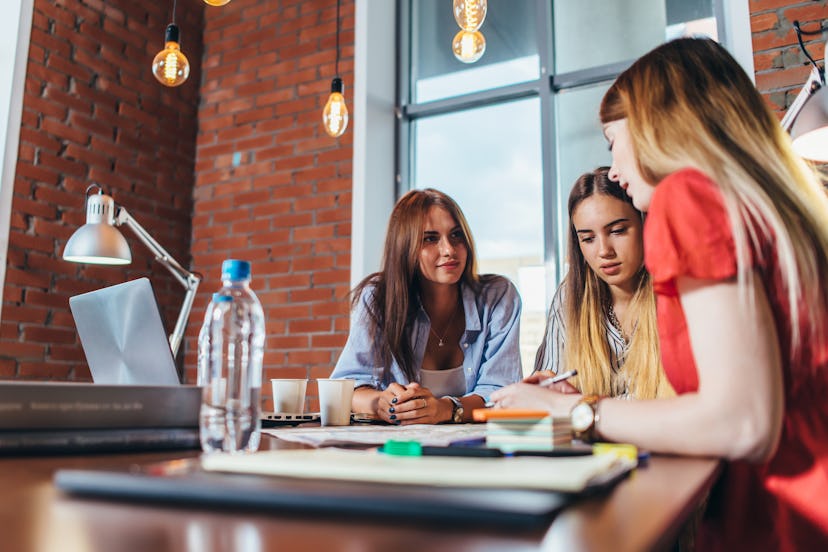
(53, 417)
(514, 430)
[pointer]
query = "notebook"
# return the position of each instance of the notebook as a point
(123, 336)
(563, 474)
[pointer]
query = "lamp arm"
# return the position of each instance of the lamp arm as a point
(188, 279)
(811, 85)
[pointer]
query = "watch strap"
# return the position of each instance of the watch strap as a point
(456, 410)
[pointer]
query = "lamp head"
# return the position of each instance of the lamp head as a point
(98, 241)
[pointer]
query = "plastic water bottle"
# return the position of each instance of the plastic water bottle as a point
(230, 349)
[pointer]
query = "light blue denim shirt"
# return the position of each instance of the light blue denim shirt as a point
(491, 356)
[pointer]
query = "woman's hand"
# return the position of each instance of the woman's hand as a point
(558, 398)
(412, 404)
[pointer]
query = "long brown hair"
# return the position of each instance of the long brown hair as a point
(688, 103)
(586, 349)
(394, 301)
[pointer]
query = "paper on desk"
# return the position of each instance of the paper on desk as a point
(425, 434)
(570, 474)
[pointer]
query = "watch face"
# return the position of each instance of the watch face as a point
(458, 415)
(582, 417)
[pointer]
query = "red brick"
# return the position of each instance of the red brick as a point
(66, 352)
(784, 78)
(22, 351)
(45, 370)
(48, 335)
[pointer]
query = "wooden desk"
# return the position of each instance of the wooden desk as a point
(643, 512)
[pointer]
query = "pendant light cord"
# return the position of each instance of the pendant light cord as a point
(336, 68)
(174, 5)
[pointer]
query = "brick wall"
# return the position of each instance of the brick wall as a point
(271, 187)
(781, 67)
(93, 112)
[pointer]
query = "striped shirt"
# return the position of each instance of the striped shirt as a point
(551, 353)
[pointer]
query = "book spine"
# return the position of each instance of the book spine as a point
(95, 407)
(97, 440)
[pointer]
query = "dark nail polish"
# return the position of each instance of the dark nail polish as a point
(393, 416)
(394, 400)
(392, 410)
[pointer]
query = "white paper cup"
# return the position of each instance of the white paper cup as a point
(335, 401)
(289, 395)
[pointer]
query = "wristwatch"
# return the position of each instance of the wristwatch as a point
(457, 409)
(584, 417)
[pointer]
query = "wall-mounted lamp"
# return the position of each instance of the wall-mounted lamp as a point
(99, 242)
(170, 65)
(335, 114)
(807, 117)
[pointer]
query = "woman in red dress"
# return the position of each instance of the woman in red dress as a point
(736, 242)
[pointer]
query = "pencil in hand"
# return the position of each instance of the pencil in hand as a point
(559, 378)
(546, 383)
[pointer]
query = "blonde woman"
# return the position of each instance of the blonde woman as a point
(603, 315)
(736, 242)
(602, 319)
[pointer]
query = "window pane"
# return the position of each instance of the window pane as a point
(581, 146)
(511, 54)
(590, 33)
(489, 161)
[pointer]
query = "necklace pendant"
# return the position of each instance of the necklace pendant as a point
(440, 343)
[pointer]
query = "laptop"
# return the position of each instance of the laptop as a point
(123, 336)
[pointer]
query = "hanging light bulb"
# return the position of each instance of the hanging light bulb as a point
(170, 66)
(470, 14)
(468, 46)
(216, 2)
(335, 114)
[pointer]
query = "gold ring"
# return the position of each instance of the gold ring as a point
(425, 402)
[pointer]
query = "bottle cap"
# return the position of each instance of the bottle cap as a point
(234, 269)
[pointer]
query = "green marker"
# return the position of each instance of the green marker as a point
(402, 448)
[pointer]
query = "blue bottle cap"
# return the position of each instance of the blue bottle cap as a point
(234, 269)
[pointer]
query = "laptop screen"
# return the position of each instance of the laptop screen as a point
(122, 335)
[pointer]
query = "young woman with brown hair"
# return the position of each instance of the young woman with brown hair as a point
(430, 339)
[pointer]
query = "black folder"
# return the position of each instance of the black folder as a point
(183, 482)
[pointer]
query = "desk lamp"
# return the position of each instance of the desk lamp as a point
(807, 118)
(99, 242)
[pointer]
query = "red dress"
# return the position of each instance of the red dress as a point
(782, 504)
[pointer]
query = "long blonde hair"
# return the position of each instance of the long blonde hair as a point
(688, 103)
(585, 303)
